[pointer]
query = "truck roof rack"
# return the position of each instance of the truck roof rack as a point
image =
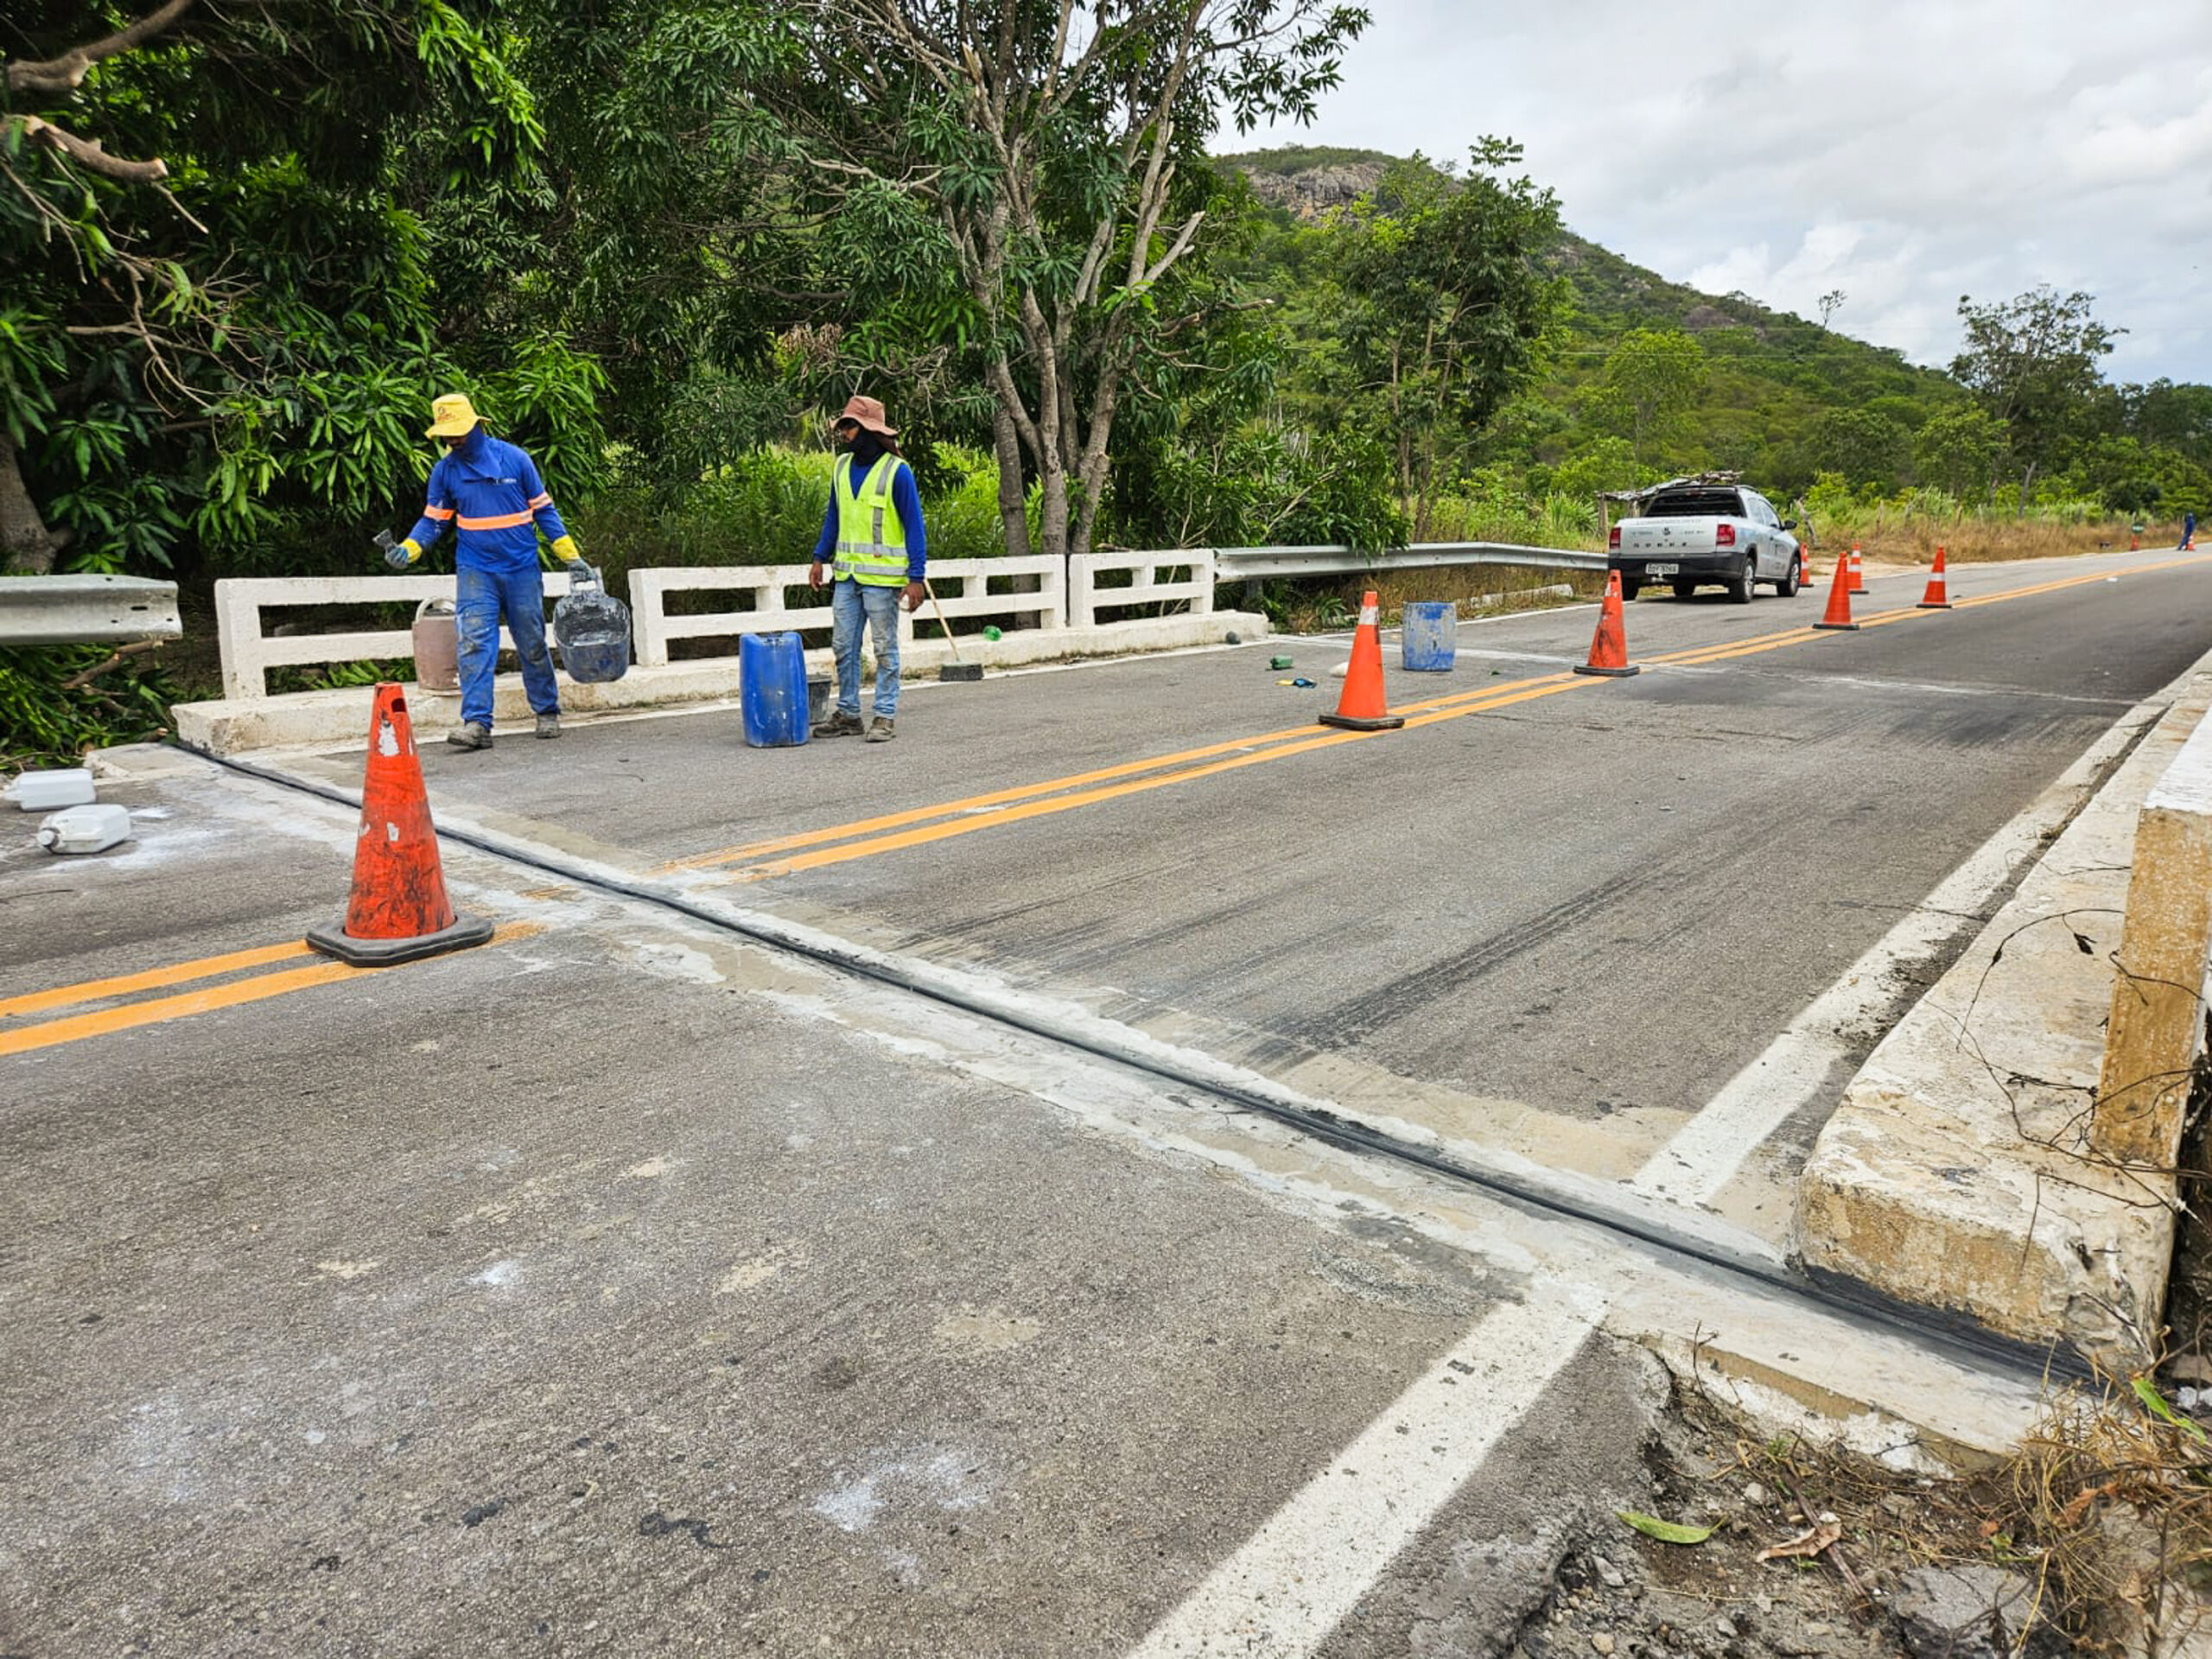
(1650, 490)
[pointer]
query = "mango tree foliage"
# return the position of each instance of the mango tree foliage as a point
(1025, 180)
(1867, 446)
(2032, 364)
(1445, 307)
(1960, 450)
(1652, 380)
(219, 329)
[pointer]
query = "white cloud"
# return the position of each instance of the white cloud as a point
(1903, 152)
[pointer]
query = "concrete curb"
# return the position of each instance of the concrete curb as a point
(307, 719)
(1959, 1173)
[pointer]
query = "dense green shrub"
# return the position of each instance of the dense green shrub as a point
(53, 708)
(766, 507)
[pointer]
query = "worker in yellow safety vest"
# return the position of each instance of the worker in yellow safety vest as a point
(874, 547)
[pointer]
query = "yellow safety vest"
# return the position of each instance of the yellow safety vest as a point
(871, 539)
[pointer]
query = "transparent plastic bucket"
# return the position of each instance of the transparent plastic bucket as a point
(592, 628)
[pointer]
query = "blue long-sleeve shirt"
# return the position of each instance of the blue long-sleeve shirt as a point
(488, 490)
(908, 500)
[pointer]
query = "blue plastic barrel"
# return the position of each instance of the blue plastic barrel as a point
(1429, 635)
(772, 689)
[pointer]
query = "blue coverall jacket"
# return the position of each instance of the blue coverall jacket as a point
(488, 490)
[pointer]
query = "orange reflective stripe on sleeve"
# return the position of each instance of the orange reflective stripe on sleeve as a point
(503, 521)
(540, 499)
(439, 513)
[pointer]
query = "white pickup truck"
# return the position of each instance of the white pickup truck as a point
(1690, 534)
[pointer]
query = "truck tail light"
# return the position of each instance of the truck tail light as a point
(1614, 539)
(1724, 535)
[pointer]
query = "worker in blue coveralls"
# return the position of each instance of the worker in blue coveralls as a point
(2188, 529)
(490, 492)
(874, 530)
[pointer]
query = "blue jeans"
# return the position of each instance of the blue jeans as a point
(848, 600)
(483, 596)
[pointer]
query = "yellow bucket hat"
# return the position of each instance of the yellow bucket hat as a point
(452, 416)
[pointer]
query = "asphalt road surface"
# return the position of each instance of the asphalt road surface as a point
(627, 1286)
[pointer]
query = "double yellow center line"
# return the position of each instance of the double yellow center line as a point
(896, 831)
(99, 1022)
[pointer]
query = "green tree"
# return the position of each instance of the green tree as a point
(1865, 447)
(1029, 177)
(218, 329)
(2119, 472)
(2170, 417)
(1653, 376)
(1959, 449)
(2031, 363)
(1447, 305)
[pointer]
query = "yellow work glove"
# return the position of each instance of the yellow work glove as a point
(565, 550)
(400, 554)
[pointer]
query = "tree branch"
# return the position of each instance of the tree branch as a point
(68, 72)
(87, 154)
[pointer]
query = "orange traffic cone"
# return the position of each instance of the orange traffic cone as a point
(1858, 576)
(1838, 611)
(1609, 645)
(1938, 597)
(399, 910)
(1363, 708)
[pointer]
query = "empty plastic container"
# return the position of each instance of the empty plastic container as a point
(86, 830)
(592, 630)
(43, 791)
(1428, 637)
(772, 689)
(437, 646)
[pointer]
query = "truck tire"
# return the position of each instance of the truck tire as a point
(1740, 587)
(1789, 585)
(1630, 587)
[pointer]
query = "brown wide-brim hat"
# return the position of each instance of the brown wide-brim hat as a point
(868, 413)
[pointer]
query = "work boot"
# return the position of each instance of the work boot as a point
(473, 736)
(839, 724)
(880, 732)
(549, 725)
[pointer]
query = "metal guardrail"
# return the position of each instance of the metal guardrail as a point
(1247, 563)
(86, 610)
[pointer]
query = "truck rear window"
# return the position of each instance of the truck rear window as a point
(1695, 504)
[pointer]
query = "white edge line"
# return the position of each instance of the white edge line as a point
(1289, 1585)
(1705, 1154)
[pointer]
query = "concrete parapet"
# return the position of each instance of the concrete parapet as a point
(1961, 1171)
(2158, 1013)
(303, 719)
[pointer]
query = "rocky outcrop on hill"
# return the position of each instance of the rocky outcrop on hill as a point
(1314, 190)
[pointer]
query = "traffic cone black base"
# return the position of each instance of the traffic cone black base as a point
(1365, 723)
(1609, 673)
(466, 931)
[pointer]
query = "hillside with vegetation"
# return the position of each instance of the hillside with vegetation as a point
(1643, 378)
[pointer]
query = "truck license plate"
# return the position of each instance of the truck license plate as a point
(1662, 569)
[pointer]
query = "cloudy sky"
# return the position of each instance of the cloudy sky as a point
(1907, 153)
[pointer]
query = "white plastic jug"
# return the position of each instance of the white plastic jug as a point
(86, 830)
(43, 791)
